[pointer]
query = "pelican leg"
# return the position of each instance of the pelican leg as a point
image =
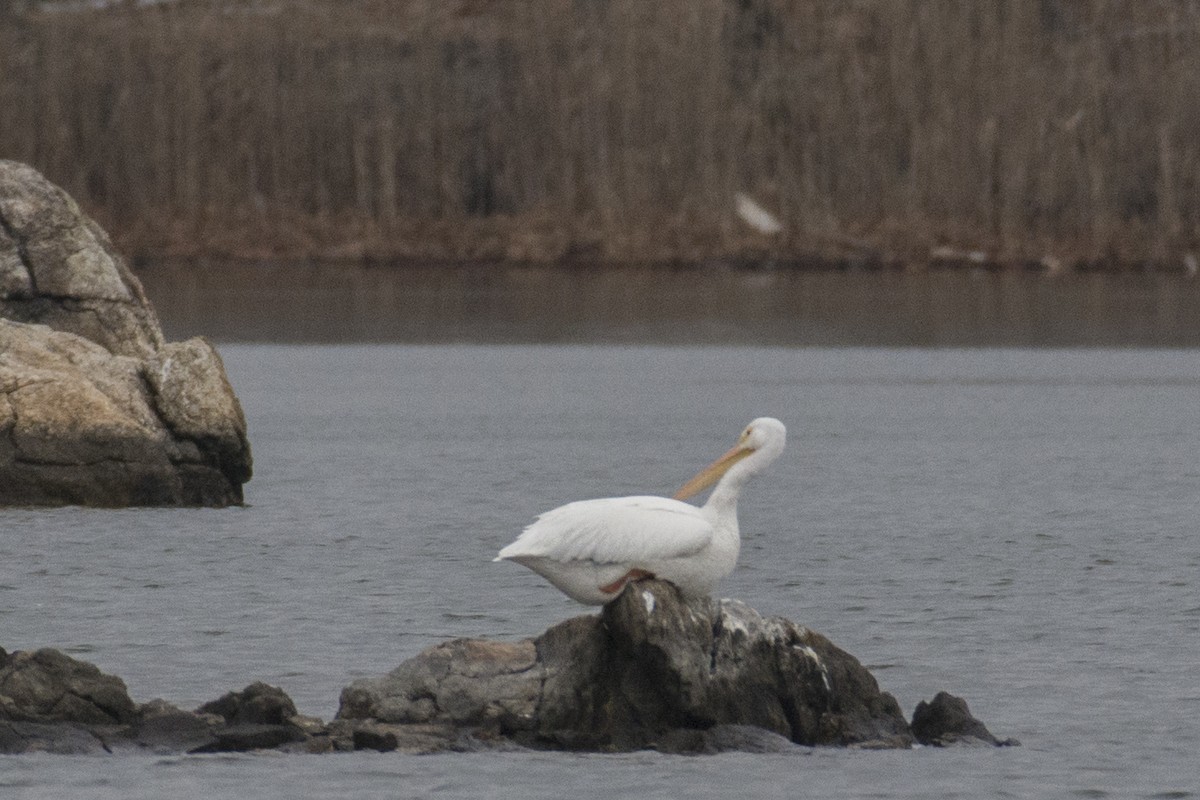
(634, 574)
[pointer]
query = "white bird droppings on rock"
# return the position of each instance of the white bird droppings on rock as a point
(816, 659)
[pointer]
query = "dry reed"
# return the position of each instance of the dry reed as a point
(1012, 132)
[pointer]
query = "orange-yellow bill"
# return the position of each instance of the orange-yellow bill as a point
(713, 472)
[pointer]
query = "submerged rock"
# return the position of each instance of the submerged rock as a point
(163, 728)
(95, 407)
(947, 720)
(653, 670)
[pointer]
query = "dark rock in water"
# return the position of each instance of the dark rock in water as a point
(257, 704)
(652, 670)
(43, 737)
(947, 721)
(377, 738)
(163, 728)
(95, 407)
(50, 702)
(259, 717)
(250, 736)
(725, 738)
(49, 686)
(412, 738)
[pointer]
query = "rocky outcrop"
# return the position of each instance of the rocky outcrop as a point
(50, 686)
(50, 702)
(947, 721)
(95, 407)
(58, 268)
(652, 670)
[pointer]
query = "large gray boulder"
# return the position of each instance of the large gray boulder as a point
(95, 407)
(652, 670)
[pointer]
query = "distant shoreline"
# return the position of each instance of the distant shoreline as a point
(506, 303)
(964, 263)
(1050, 136)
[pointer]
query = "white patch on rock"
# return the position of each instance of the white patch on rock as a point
(736, 624)
(816, 659)
(648, 599)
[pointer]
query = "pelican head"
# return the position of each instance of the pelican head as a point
(760, 443)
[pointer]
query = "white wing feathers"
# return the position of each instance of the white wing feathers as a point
(614, 530)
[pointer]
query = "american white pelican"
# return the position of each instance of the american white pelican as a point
(591, 548)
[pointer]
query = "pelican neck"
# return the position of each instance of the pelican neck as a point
(724, 495)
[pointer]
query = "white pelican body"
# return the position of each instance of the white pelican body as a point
(591, 548)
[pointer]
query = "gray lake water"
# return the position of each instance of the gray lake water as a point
(1016, 526)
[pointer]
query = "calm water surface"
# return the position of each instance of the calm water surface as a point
(1018, 527)
(333, 303)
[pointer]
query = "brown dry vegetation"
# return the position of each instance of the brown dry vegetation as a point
(880, 131)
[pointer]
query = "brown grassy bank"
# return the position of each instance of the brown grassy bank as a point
(1063, 131)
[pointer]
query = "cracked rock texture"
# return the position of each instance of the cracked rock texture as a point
(652, 670)
(48, 686)
(95, 407)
